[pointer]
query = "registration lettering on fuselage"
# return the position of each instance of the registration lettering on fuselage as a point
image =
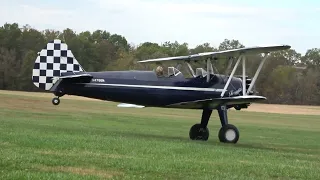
(97, 80)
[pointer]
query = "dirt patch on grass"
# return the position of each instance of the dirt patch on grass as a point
(284, 109)
(7, 144)
(85, 153)
(79, 171)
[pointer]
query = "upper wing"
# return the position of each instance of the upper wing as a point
(213, 103)
(227, 53)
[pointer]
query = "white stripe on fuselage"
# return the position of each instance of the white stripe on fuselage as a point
(158, 87)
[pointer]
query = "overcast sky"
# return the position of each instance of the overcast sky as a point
(251, 22)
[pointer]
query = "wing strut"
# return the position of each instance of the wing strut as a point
(191, 70)
(209, 69)
(243, 58)
(231, 75)
(257, 72)
(244, 76)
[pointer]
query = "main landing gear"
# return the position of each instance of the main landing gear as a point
(228, 133)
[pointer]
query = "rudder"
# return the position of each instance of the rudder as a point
(53, 60)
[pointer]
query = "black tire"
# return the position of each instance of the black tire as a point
(229, 134)
(198, 133)
(237, 107)
(55, 101)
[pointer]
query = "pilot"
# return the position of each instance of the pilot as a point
(159, 71)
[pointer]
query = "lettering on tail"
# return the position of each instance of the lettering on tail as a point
(53, 60)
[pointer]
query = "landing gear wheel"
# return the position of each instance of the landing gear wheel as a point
(199, 133)
(55, 101)
(229, 134)
(237, 108)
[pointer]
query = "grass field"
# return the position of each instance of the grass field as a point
(89, 139)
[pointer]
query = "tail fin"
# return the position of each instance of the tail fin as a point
(53, 60)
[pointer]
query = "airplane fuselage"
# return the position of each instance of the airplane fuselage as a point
(147, 89)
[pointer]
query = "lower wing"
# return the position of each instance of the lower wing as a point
(215, 102)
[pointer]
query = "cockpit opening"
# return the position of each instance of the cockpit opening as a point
(200, 72)
(172, 71)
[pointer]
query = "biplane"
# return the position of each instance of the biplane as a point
(58, 71)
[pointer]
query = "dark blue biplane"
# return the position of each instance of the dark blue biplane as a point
(57, 70)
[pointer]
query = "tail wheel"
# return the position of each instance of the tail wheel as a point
(229, 134)
(55, 101)
(199, 133)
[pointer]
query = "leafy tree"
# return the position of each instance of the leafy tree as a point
(25, 74)
(230, 44)
(9, 68)
(312, 58)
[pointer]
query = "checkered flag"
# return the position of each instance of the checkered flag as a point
(53, 60)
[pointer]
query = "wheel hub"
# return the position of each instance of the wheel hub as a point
(230, 134)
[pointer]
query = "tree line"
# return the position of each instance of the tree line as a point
(287, 77)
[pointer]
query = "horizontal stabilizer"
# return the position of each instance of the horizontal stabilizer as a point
(129, 105)
(214, 103)
(69, 79)
(76, 76)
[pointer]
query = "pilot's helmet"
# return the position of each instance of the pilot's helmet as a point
(159, 70)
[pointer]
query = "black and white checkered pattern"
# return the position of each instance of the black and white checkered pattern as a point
(53, 60)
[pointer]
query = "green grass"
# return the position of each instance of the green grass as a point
(94, 139)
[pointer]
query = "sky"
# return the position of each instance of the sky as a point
(252, 22)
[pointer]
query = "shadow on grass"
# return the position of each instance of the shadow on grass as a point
(215, 143)
(279, 148)
(186, 139)
(255, 146)
(155, 136)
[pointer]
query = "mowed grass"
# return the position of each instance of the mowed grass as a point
(82, 139)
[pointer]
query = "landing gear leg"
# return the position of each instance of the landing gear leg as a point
(201, 131)
(56, 101)
(59, 93)
(228, 133)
